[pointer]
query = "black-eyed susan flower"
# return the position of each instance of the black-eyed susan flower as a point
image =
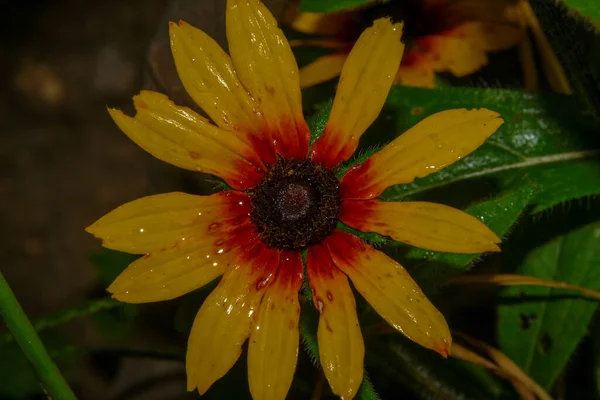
(451, 36)
(285, 198)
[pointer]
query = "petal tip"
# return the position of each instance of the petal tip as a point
(444, 349)
(385, 25)
(494, 248)
(114, 112)
(117, 293)
(95, 230)
(139, 102)
(91, 229)
(190, 385)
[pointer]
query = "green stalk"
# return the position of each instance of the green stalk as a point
(31, 345)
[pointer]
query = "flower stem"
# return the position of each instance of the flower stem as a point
(31, 345)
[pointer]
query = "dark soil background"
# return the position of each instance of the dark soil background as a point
(63, 161)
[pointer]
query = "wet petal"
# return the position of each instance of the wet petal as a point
(173, 272)
(427, 225)
(322, 69)
(366, 79)
(341, 347)
(273, 344)
(207, 74)
(158, 222)
(267, 68)
(434, 143)
(181, 137)
(391, 291)
(225, 319)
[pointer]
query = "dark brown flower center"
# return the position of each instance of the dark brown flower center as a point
(296, 204)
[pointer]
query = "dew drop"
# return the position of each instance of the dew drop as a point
(320, 305)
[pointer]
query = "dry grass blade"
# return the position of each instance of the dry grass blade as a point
(554, 71)
(465, 354)
(462, 353)
(513, 279)
(507, 368)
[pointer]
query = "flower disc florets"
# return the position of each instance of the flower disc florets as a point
(296, 204)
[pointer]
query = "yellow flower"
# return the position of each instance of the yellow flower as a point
(285, 199)
(452, 36)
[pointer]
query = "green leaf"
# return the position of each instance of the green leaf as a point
(545, 138)
(330, 5)
(587, 9)
(539, 328)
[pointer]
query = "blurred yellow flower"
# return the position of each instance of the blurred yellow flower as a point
(452, 36)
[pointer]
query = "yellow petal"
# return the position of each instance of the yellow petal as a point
(265, 65)
(207, 74)
(273, 344)
(416, 75)
(453, 54)
(434, 143)
(324, 23)
(159, 222)
(322, 69)
(183, 138)
(225, 319)
(391, 291)
(462, 50)
(309, 22)
(364, 84)
(427, 225)
(173, 272)
(341, 347)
